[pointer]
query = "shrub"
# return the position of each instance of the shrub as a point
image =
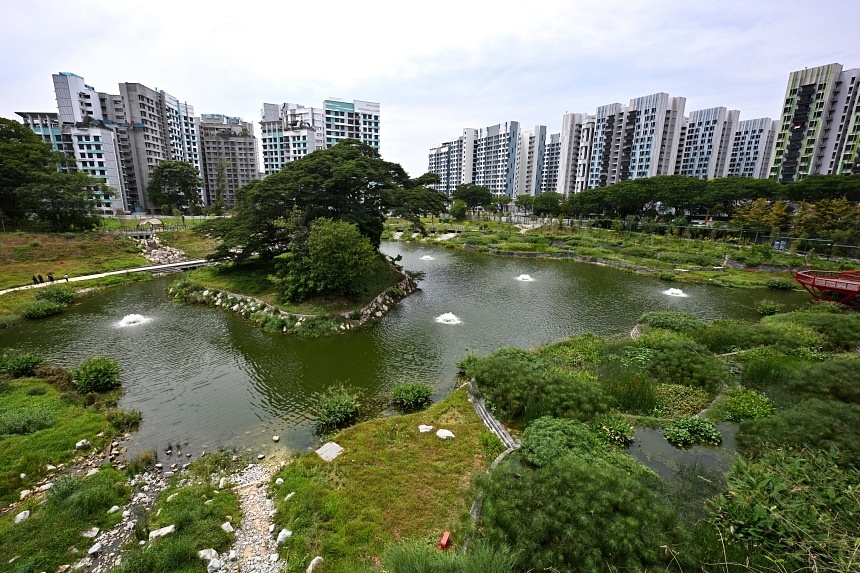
(613, 431)
(411, 397)
(742, 404)
(842, 331)
(667, 276)
(547, 439)
(727, 335)
(686, 432)
(688, 364)
(97, 374)
(678, 400)
(123, 420)
(677, 321)
(781, 284)
(59, 294)
(59, 377)
(575, 351)
(41, 309)
(19, 364)
(338, 409)
(25, 421)
(768, 307)
(798, 506)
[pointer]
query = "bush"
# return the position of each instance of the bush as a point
(25, 421)
(548, 439)
(678, 400)
(842, 331)
(123, 420)
(688, 364)
(19, 364)
(742, 404)
(574, 352)
(677, 321)
(686, 432)
(768, 307)
(613, 432)
(781, 284)
(798, 506)
(411, 397)
(338, 409)
(667, 276)
(41, 309)
(59, 294)
(98, 374)
(727, 335)
(59, 377)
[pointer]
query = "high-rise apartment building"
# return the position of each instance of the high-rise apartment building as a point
(529, 163)
(752, 148)
(290, 131)
(551, 164)
(574, 127)
(80, 132)
(706, 142)
(229, 156)
(453, 161)
(495, 157)
(819, 125)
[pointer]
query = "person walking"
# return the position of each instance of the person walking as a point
(41, 280)
(50, 277)
(35, 280)
(66, 276)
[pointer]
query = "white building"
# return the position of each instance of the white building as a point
(706, 142)
(752, 148)
(528, 166)
(551, 164)
(229, 151)
(453, 161)
(495, 157)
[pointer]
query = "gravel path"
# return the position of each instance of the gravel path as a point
(255, 549)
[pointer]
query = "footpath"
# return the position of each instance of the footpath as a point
(151, 269)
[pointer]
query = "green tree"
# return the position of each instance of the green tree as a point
(174, 183)
(472, 195)
(814, 188)
(329, 261)
(415, 199)
(548, 204)
(763, 215)
(458, 210)
(37, 181)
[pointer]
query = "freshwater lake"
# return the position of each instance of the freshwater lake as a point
(208, 378)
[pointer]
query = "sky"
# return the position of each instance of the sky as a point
(434, 67)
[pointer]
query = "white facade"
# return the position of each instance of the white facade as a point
(551, 164)
(452, 161)
(528, 167)
(706, 142)
(570, 152)
(583, 161)
(752, 148)
(495, 157)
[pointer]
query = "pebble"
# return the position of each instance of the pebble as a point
(22, 516)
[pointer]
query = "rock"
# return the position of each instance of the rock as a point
(445, 434)
(85, 443)
(92, 472)
(329, 451)
(25, 493)
(227, 527)
(316, 561)
(222, 483)
(207, 554)
(271, 528)
(273, 557)
(276, 439)
(284, 535)
(22, 516)
(214, 565)
(261, 456)
(94, 549)
(279, 481)
(90, 533)
(289, 496)
(232, 555)
(167, 474)
(23, 476)
(161, 532)
(46, 487)
(424, 428)
(159, 466)
(172, 496)
(113, 509)
(125, 514)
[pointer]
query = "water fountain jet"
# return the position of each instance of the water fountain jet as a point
(133, 320)
(675, 292)
(448, 318)
(525, 278)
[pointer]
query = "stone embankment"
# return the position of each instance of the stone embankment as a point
(159, 254)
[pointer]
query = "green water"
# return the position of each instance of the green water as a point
(206, 377)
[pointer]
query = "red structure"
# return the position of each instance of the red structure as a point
(837, 286)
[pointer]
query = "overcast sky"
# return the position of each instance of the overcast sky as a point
(435, 67)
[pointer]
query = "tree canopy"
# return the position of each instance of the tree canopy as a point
(40, 183)
(175, 184)
(415, 199)
(472, 195)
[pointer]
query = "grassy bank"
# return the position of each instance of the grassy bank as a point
(673, 257)
(391, 483)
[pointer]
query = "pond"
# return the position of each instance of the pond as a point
(206, 377)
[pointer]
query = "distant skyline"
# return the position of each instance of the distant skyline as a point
(434, 68)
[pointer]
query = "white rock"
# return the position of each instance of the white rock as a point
(22, 516)
(316, 561)
(276, 438)
(126, 513)
(261, 456)
(232, 555)
(207, 554)
(214, 565)
(222, 483)
(279, 481)
(284, 535)
(159, 466)
(90, 533)
(94, 549)
(92, 472)
(46, 487)
(227, 527)
(424, 428)
(113, 509)
(329, 451)
(167, 474)
(25, 493)
(445, 434)
(161, 532)
(23, 476)
(289, 496)
(273, 557)
(171, 496)
(50, 468)
(85, 443)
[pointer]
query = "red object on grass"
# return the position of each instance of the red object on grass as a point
(445, 539)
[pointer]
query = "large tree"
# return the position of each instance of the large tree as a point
(473, 195)
(38, 182)
(415, 200)
(175, 184)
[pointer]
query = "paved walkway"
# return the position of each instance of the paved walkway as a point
(151, 269)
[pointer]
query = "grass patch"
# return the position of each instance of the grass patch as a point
(45, 540)
(391, 482)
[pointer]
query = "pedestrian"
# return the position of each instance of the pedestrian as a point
(41, 280)
(51, 277)
(66, 276)
(35, 280)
